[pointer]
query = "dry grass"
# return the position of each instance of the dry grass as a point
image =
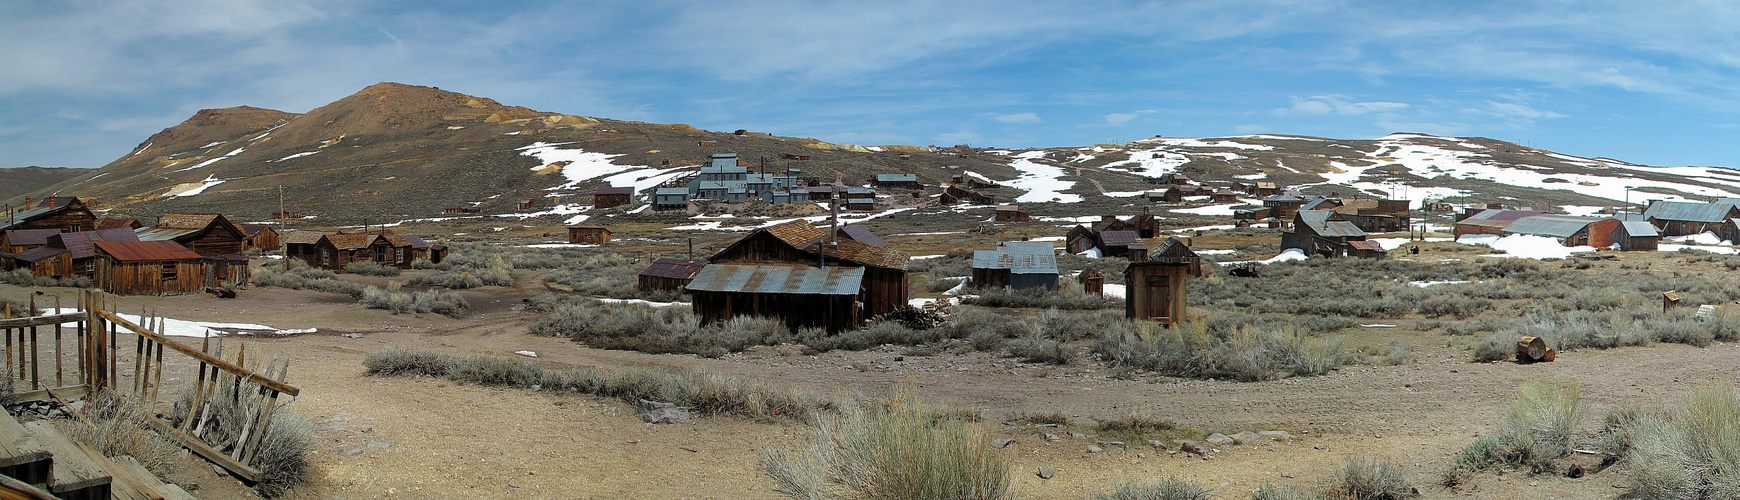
(1536, 433)
(1687, 450)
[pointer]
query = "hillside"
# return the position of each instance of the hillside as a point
(394, 152)
(20, 181)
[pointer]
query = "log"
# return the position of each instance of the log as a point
(1531, 349)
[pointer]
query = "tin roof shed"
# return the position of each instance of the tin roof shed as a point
(804, 280)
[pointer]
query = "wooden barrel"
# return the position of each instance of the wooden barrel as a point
(1531, 349)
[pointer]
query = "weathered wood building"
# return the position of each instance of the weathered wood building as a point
(204, 234)
(901, 181)
(82, 251)
(19, 240)
(1018, 265)
(1490, 221)
(610, 196)
(1322, 233)
(588, 235)
(798, 273)
(148, 268)
(42, 261)
(667, 273)
(1011, 213)
(1569, 230)
(1154, 288)
(1092, 282)
(334, 251)
(119, 222)
(260, 236)
(301, 245)
(952, 195)
(1640, 236)
(1683, 218)
(66, 214)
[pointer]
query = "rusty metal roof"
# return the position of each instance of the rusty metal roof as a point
(802, 280)
(863, 253)
(666, 267)
(145, 251)
(37, 254)
(797, 233)
(23, 237)
(79, 243)
(1366, 245)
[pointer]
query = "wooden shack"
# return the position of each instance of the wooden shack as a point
(1154, 289)
(808, 295)
(229, 271)
(260, 236)
(610, 196)
(66, 214)
(901, 181)
(588, 235)
(952, 195)
(334, 251)
(1011, 213)
(204, 234)
(302, 245)
(1092, 282)
(526, 204)
(43, 261)
(1224, 196)
(668, 274)
(80, 248)
(1322, 233)
(1147, 226)
(148, 268)
(1017, 265)
(19, 240)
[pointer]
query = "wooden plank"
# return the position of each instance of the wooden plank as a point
(74, 475)
(125, 484)
(21, 456)
(204, 450)
(52, 319)
(163, 490)
(238, 371)
(71, 391)
(14, 489)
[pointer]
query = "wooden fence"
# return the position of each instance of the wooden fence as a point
(217, 383)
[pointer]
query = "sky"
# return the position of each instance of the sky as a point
(87, 81)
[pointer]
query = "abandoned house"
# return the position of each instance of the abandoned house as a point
(260, 236)
(610, 196)
(66, 214)
(796, 272)
(668, 274)
(952, 195)
(115, 222)
(301, 245)
(1011, 213)
(860, 234)
(585, 235)
(1018, 265)
(1154, 287)
(1490, 221)
(1641, 236)
(1324, 233)
(19, 240)
(204, 234)
(1683, 218)
(148, 268)
(899, 181)
(670, 198)
(1376, 215)
(1224, 196)
(334, 251)
(44, 261)
(80, 248)
(1092, 282)
(1570, 230)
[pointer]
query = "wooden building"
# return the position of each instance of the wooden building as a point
(1147, 226)
(1154, 288)
(1017, 265)
(228, 271)
(1092, 282)
(861, 204)
(81, 249)
(1283, 206)
(461, 210)
(1322, 233)
(334, 251)
(119, 222)
(526, 204)
(1632, 236)
(204, 234)
(952, 195)
(773, 272)
(1011, 213)
(586, 235)
(860, 234)
(19, 240)
(797, 156)
(669, 274)
(1684, 218)
(302, 245)
(148, 268)
(66, 214)
(1489, 221)
(901, 181)
(1224, 196)
(1376, 215)
(42, 261)
(260, 236)
(609, 196)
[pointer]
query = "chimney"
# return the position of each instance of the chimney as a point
(27, 202)
(50, 201)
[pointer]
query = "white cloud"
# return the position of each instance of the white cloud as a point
(1340, 105)
(1124, 118)
(1022, 118)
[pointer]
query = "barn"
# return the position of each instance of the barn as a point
(1018, 265)
(1154, 288)
(667, 273)
(148, 268)
(1490, 221)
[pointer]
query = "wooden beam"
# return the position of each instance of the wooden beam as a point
(71, 391)
(53, 319)
(238, 371)
(204, 450)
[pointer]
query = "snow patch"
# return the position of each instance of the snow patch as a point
(295, 156)
(211, 161)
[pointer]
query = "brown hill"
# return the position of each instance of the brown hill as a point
(16, 182)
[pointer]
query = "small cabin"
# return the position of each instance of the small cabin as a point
(861, 204)
(1225, 196)
(204, 234)
(668, 274)
(610, 196)
(708, 144)
(588, 235)
(1012, 213)
(526, 204)
(148, 268)
(1092, 282)
(1016, 264)
(1154, 288)
(671, 198)
(260, 236)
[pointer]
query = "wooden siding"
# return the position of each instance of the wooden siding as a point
(588, 235)
(146, 277)
(834, 313)
(651, 283)
(1155, 292)
(607, 200)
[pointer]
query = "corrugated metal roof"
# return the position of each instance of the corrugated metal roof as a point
(863, 235)
(797, 233)
(1366, 245)
(896, 177)
(1326, 224)
(1630, 217)
(145, 251)
(1283, 198)
(38, 253)
(1557, 226)
(79, 243)
(164, 233)
(1119, 238)
(1173, 251)
(1688, 211)
(1639, 229)
(1019, 257)
(863, 253)
(666, 267)
(22, 216)
(1319, 203)
(1008, 208)
(22, 237)
(778, 279)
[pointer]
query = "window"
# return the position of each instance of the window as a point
(74, 228)
(91, 266)
(169, 271)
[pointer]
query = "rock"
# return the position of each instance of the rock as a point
(1046, 472)
(1094, 448)
(1052, 437)
(1245, 437)
(1189, 447)
(654, 412)
(352, 335)
(1277, 435)
(1077, 435)
(1218, 438)
(528, 354)
(1157, 444)
(1115, 444)
(1005, 442)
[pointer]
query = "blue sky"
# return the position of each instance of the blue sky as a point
(85, 82)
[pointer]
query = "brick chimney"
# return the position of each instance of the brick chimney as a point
(27, 203)
(51, 201)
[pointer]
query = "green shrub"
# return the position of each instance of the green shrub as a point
(1246, 354)
(892, 448)
(1368, 480)
(1688, 450)
(370, 268)
(1064, 298)
(1166, 489)
(441, 302)
(1535, 433)
(1496, 347)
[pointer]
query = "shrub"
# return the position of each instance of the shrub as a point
(283, 458)
(1065, 298)
(117, 426)
(1498, 346)
(1166, 489)
(368, 268)
(1037, 348)
(1688, 450)
(1368, 479)
(1535, 433)
(1246, 354)
(892, 448)
(392, 300)
(422, 263)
